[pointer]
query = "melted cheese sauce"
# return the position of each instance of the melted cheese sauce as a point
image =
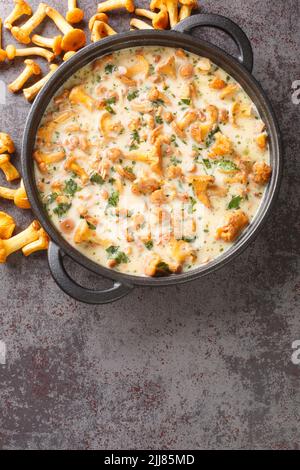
(151, 161)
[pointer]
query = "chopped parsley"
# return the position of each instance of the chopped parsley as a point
(109, 68)
(71, 187)
(113, 199)
(51, 198)
(184, 101)
(158, 120)
(132, 95)
(113, 252)
(227, 165)
(211, 135)
(149, 245)
(91, 226)
(191, 208)
(235, 202)
(62, 209)
(96, 178)
(135, 140)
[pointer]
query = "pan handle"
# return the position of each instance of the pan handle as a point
(226, 25)
(70, 287)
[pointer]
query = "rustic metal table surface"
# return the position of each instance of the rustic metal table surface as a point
(202, 365)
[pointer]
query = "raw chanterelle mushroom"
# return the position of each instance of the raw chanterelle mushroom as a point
(40, 244)
(19, 196)
(31, 68)
(160, 20)
(21, 8)
(186, 8)
(50, 43)
(139, 24)
(10, 172)
(6, 143)
(3, 54)
(115, 4)
(74, 14)
(27, 237)
(22, 33)
(12, 52)
(74, 38)
(7, 226)
(31, 92)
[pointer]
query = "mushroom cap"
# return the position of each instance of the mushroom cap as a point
(36, 69)
(75, 15)
(129, 5)
(3, 55)
(11, 51)
(189, 3)
(25, 7)
(21, 199)
(20, 35)
(161, 20)
(57, 45)
(6, 142)
(73, 40)
(7, 226)
(98, 17)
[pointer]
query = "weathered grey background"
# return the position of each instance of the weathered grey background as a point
(204, 365)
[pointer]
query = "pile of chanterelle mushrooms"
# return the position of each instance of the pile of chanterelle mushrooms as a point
(163, 14)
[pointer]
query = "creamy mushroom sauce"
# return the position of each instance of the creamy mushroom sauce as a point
(151, 161)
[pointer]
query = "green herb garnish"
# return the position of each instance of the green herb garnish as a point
(71, 187)
(149, 245)
(109, 68)
(96, 178)
(132, 95)
(191, 208)
(62, 209)
(114, 253)
(113, 200)
(235, 202)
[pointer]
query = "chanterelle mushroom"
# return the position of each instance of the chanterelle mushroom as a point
(7, 226)
(19, 196)
(11, 173)
(22, 34)
(74, 14)
(40, 244)
(31, 68)
(12, 52)
(139, 24)
(21, 8)
(3, 54)
(74, 38)
(160, 20)
(115, 4)
(236, 221)
(186, 8)
(172, 7)
(6, 143)
(50, 43)
(7, 247)
(31, 92)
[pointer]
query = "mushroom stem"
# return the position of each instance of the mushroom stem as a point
(31, 92)
(68, 55)
(73, 38)
(21, 8)
(115, 4)
(147, 13)
(7, 247)
(11, 173)
(50, 43)
(12, 52)
(3, 54)
(173, 11)
(59, 20)
(22, 33)
(139, 24)
(31, 68)
(19, 196)
(40, 244)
